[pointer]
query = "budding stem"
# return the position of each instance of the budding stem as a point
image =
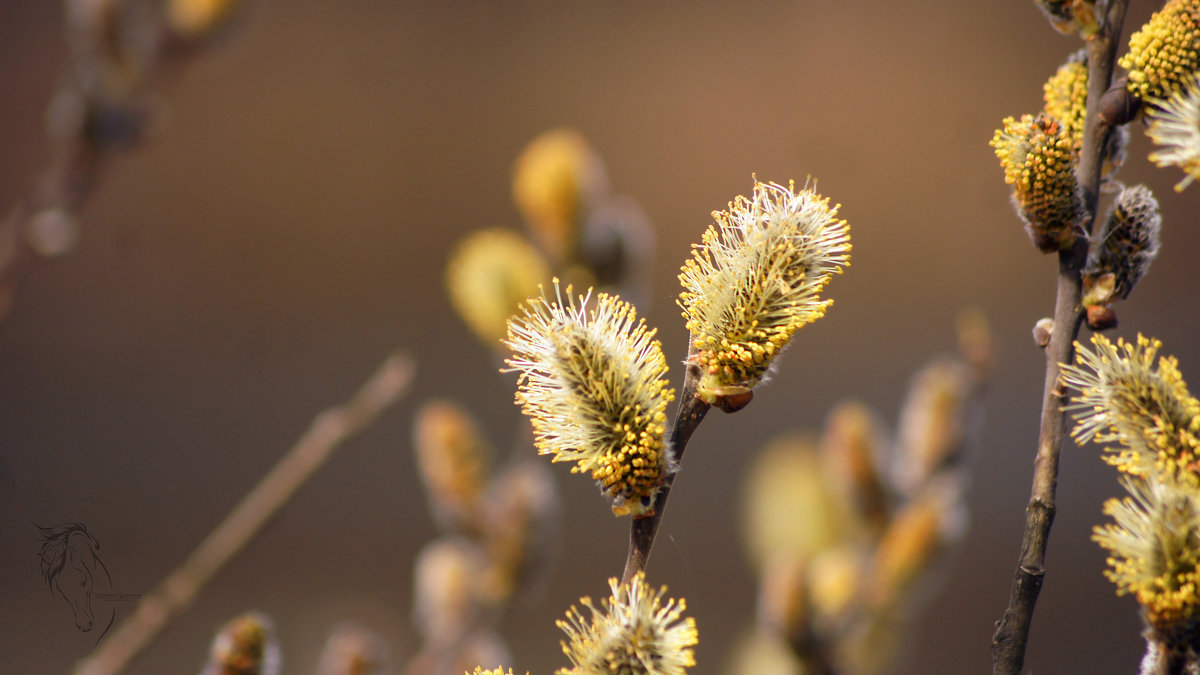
(1012, 632)
(688, 415)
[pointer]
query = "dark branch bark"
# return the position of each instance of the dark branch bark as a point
(688, 416)
(1012, 632)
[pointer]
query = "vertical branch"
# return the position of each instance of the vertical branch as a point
(329, 429)
(1012, 632)
(690, 413)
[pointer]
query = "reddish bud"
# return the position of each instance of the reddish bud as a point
(731, 403)
(1101, 318)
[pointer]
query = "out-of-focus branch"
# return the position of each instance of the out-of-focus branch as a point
(328, 431)
(1012, 632)
(120, 51)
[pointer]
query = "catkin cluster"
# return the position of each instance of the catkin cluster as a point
(1142, 407)
(845, 529)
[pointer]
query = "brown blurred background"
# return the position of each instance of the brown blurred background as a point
(288, 223)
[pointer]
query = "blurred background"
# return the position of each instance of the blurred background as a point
(288, 221)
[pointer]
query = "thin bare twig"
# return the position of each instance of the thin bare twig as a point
(1012, 632)
(328, 430)
(688, 416)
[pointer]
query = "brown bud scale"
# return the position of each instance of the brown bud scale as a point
(1100, 317)
(732, 403)
(1118, 106)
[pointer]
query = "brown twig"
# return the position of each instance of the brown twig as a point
(328, 430)
(1012, 631)
(688, 416)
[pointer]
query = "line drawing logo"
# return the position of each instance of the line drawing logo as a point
(71, 567)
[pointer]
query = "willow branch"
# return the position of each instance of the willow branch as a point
(328, 430)
(688, 415)
(1012, 632)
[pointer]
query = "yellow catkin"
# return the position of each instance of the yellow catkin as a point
(1154, 546)
(1038, 157)
(1165, 52)
(556, 179)
(1124, 396)
(245, 645)
(1065, 94)
(453, 461)
(1175, 130)
(592, 382)
(756, 278)
(490, 273)
(633, 632)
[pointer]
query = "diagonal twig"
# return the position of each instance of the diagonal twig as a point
(328, 430)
